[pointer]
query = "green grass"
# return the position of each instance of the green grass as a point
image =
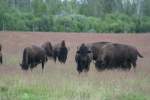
(34, 88)
(62, 82)
(132, 96)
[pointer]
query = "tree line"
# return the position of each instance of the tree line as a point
(75, 15)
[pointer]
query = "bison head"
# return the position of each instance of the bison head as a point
(24, 66)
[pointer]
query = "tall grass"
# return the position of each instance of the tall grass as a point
(46, 86)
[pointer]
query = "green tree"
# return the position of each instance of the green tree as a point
(39, 7)
(3, 10)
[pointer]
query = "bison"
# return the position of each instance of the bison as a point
(114, 55)
(32, 56)
(60, 52)
(83, 58)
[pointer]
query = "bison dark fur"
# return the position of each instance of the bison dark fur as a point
(83, 58)
(48, 49)
(60, 52)
(114, 55)
(32, 56)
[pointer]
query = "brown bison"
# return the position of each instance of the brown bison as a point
(60, 52)
(114, 55)
(83, 58)
(1, 57)
(32, 56)
(107, 55)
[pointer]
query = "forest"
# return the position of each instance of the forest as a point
(96, 16)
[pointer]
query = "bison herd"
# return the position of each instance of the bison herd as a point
(105, 55)
(34, 55)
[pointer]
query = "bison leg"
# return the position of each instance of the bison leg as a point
(79, 69)
(134, 64)
(46, 59)
(42, 66)
(111, 64)
(55, 58)
(32, 65)
(126, 65)
(99, 66)
(1, 60)
(105, 64)
(86, 69)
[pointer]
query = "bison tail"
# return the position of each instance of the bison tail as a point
(140, 55)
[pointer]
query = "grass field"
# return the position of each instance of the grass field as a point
(61, 81)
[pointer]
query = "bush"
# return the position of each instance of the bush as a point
(114, 23)
(117, 23)
(71, 23)
(143, 24)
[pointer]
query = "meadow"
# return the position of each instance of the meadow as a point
(62, 81)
